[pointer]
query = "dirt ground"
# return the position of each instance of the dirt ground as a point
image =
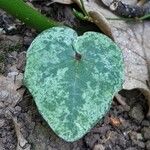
(22, 127)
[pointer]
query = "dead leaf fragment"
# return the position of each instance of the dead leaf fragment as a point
(115, 121)
(10, 96)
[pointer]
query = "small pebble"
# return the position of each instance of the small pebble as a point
(139, 136)
(140, 144)
(146, 133)
(148, 145)
(136, 136)
(98, 147)
(117, 147)
(4, 94)
(18, 108)
(2, 31)
(27, 40)
(146, 123)
(91, 139)
(137, 113)
(131, 148)
(12, 74)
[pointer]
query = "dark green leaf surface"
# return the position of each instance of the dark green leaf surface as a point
(73, 94)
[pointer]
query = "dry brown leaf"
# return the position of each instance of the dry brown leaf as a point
(9, 95)
(98, 18)
(99, 15)
(131, 2)
(92, 8)
(133, 38)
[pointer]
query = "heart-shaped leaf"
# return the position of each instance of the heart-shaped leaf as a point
(73, 78)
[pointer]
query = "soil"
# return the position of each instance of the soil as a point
(123, 128)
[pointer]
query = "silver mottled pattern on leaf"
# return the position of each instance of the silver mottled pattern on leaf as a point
(73, 95)
(133, 38)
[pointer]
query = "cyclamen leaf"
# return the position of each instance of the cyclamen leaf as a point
(73, 78)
